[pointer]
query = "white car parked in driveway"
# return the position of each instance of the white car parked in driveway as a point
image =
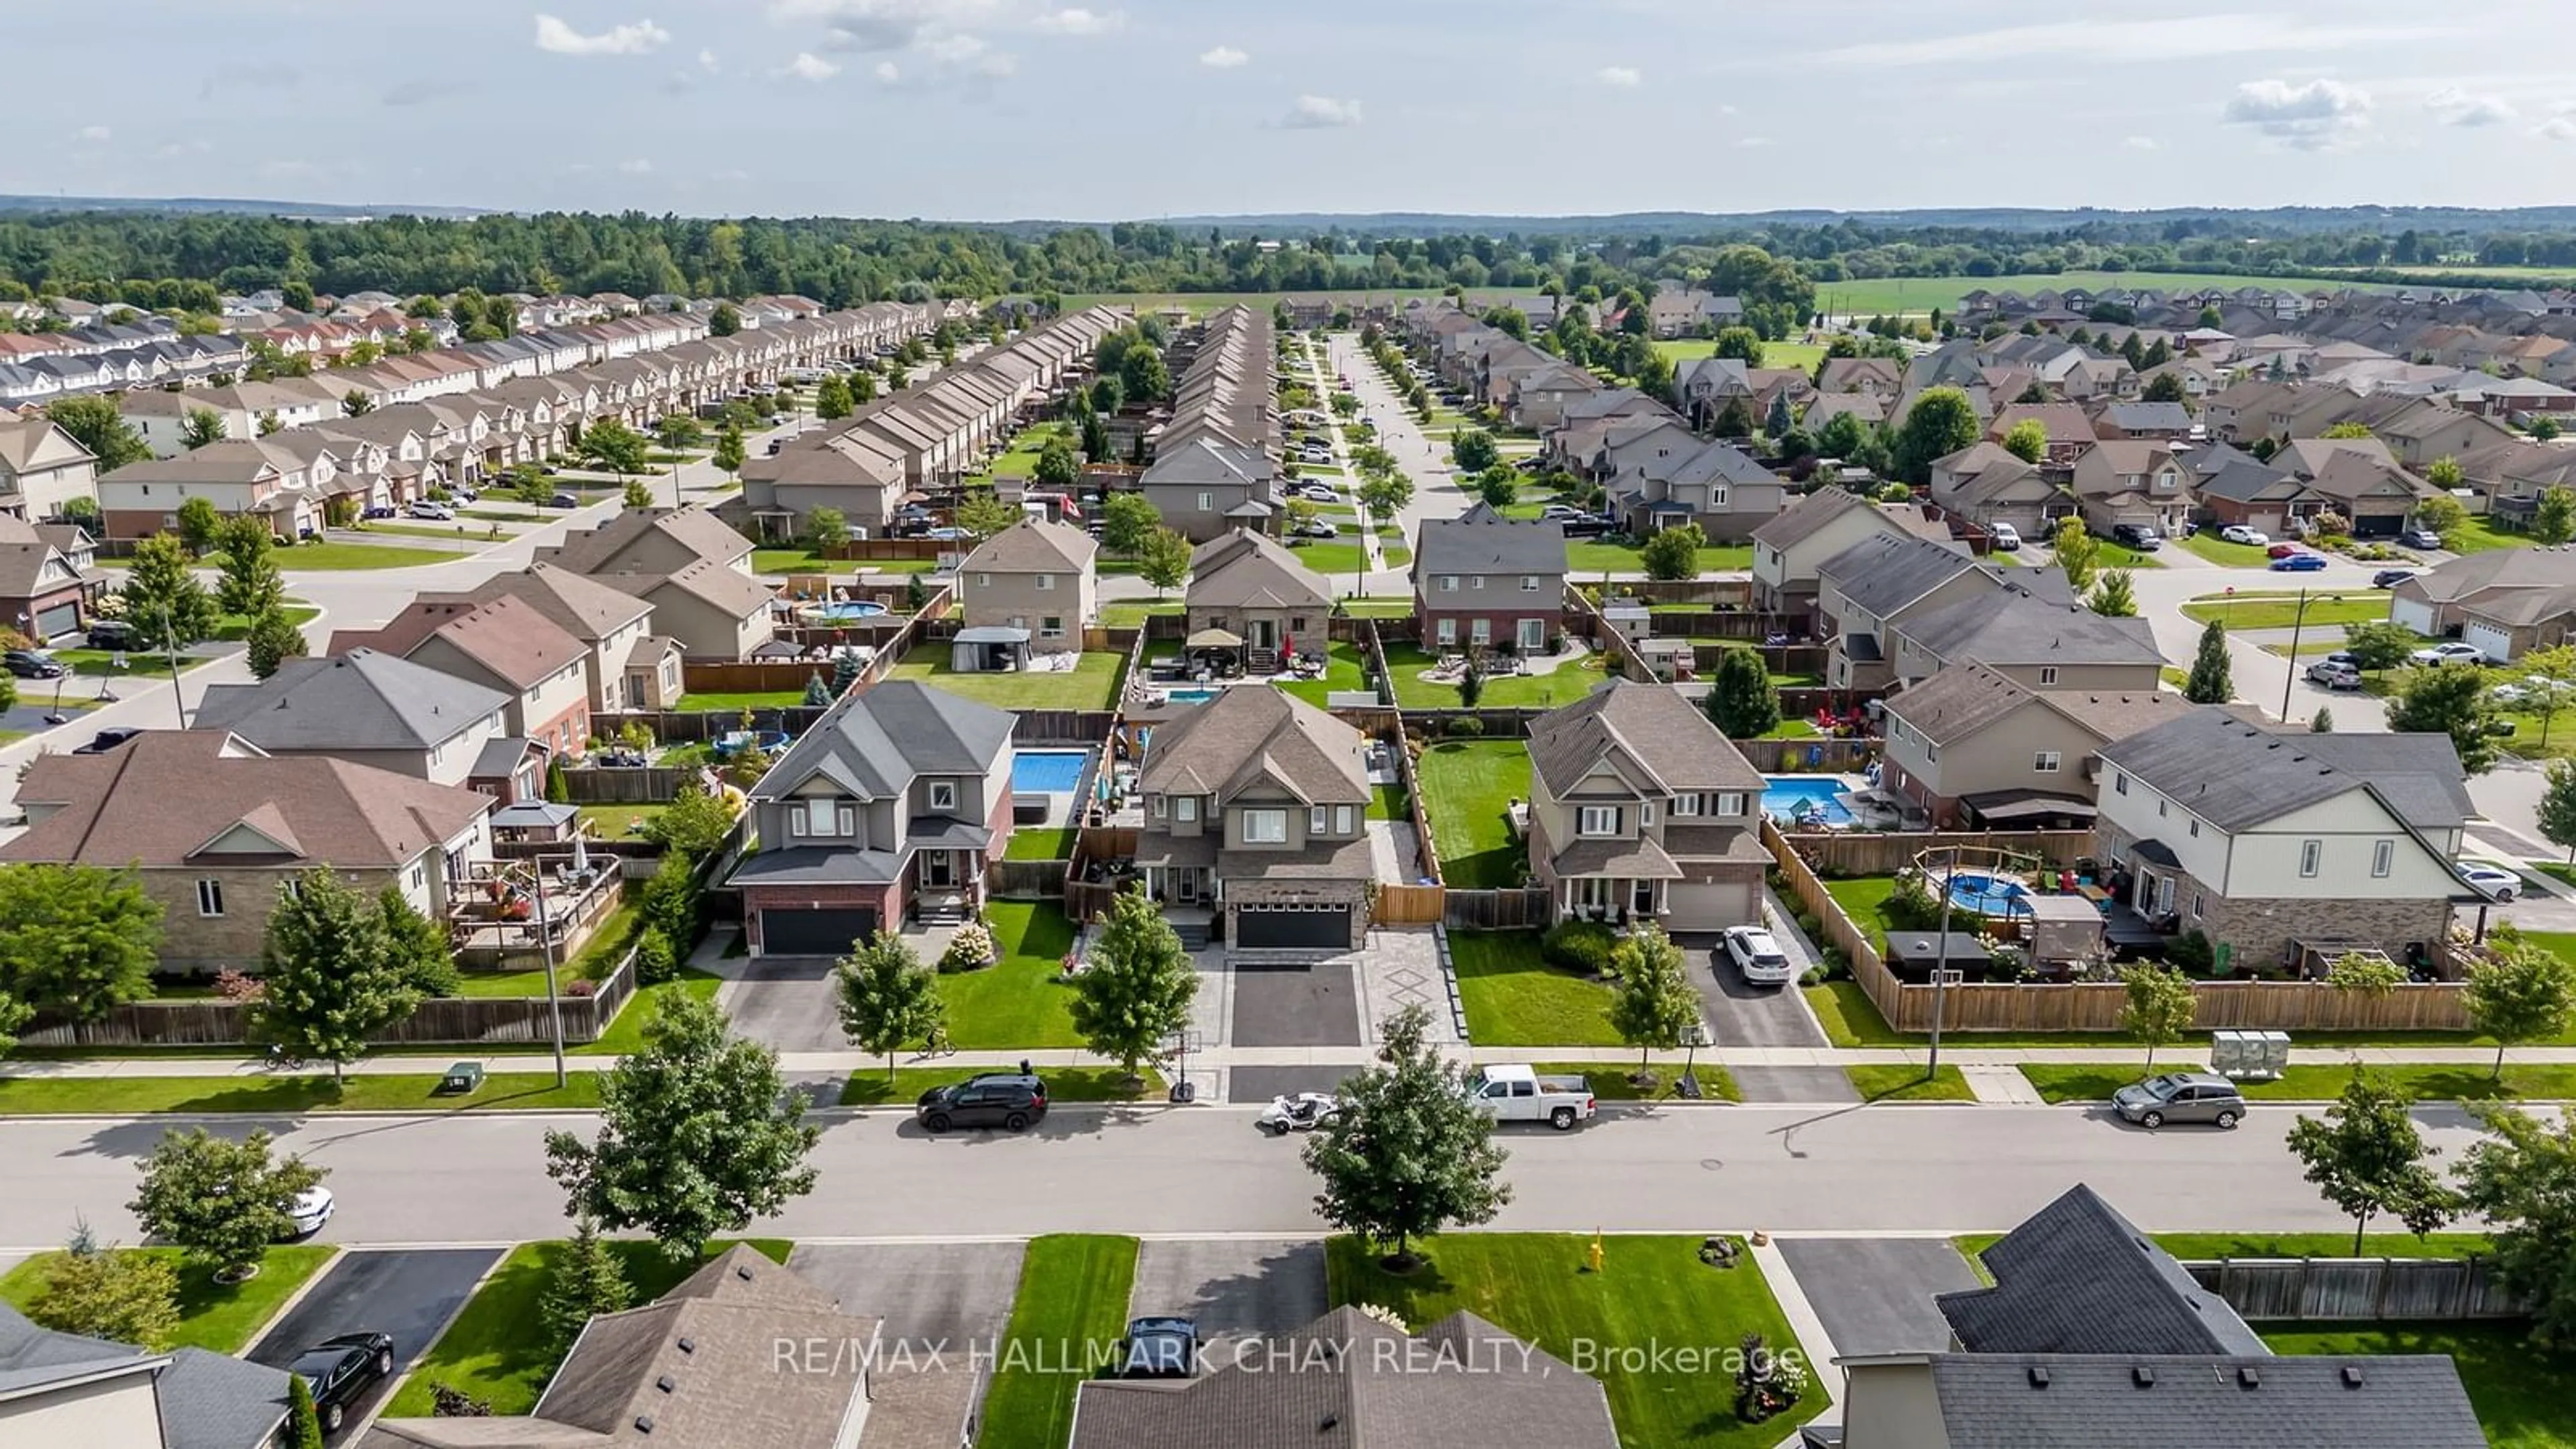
(2454, 652)
(2239, 533)
(1758, 955)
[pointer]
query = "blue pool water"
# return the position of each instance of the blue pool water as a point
(1781, 795)
(1987, 895)
(834, 613)
(1190, 696)
(1047, 772)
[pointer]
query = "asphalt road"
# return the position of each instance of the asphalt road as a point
(481, 1179)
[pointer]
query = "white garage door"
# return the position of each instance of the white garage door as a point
(1711, 907)
(2498, 643)
(2415, 614)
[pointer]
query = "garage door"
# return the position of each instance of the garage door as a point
(1711, 906)
(2415, 614)
(57, 621)
(2498, 643)
(814, 933)
(1310, 928)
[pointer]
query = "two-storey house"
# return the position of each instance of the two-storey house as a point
(609, 623)
(1483, 581)
(2128, 481)
(1641, 810)
(889, 808)
(42, 468)
(44, 585)
(505, 645)
(1973, 747)
(1256, 806)
(1868, 589)
(2032, 629)
(1034, 575)
(1662, 476)
(1790, 549)
(2264, 838)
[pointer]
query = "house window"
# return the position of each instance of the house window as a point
(2311, 853)
(1475, 581)
(1319, 818)
(2048, 676)
(210, 898)
(2045, 762)
(1051, 626)
(1265, 827)
(1448, 631)
(1730, 802)
(1046, 581)
(1448, 583)
(983, 581)
(2119, 783)
(1529, 583)
(2383, 856)
(1482, 631)
(1717, 497)
(820, 817)
(1162, 806)
(1186, 809)
(1597, 820)
(2195, 905)
(943, 794)
(2195, 830)
(2160, 809)
(1343, 821)
(1207, 503)
(420, 876)
(1685, 806)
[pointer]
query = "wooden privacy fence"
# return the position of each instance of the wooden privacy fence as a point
(1410, 905)
(1858, 852)
(1725, 593)
(1807, 756)
(2345, 1290)
(1064, 726)
(597, 785)
(1027, 879)
(1512, 909)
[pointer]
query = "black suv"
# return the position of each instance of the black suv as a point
(2144, 537)
(111, 634)
(1008, 1100)
(341, 1370)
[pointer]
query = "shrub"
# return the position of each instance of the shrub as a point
(580, 986)
(1837, 965)
(655, 961)
(971, 949)
(241, 990)
(1912, 906)
(1811, 924)
(1466, 726)
(447, 1401)
(1582, 947)
(2190, 952)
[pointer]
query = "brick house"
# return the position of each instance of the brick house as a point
(890, 807)
(1033, 575)
(1971, 744)
(1640, 809)
(1248, 585)
(505, 645)
(1483, 581)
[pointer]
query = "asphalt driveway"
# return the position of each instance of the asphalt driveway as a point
(1236, 1288)
(929, 1294)
(1260, 1084)
(1314, 1005)
(1874, 1295)
(786, 1002)
(408, 1293)
(1741, 1014)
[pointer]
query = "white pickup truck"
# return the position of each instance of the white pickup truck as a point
(1513, 1093)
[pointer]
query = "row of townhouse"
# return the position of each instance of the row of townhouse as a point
(1215, 461)
(920, 438)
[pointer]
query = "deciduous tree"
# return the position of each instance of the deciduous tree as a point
(2115, 597)
(2521, 1178)
(1940, 423)
(1474, 450)
(1137, 984)
(1499, 486)
(889, 998)
(250, 582)
(611, 445)
(2367, 1158)
(200, 427)
(221, 1201)
(2553, 519)
(730, 453)
(2452, 701)
(2159, 1007)
(1408, 1154)
(1654, 1002)
(98, 425)
(123, 1297)
(2520, 991)
(982, 515)
(76, 940)
(832, 400)
(2378, 646)
(1673, 553)
(1164, 560)
(1127, 520)
(2027, 440)
(1057, 468)
(199, 525)
(329, 975)
(1741, 343)
(1742, 701)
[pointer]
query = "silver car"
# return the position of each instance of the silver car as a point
(2181, 1097)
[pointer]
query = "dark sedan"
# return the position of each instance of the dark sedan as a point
(33, 664)
(340, 1370)
(2299, 563)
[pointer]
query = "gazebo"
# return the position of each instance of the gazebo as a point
(989, 649)
(1224, 643)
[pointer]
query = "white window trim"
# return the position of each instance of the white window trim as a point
(1596, 820)
(210, 898)
(2383, 858)
(1319, 818)
(1185, 809)
(1265, 818)
(1730, 802)
(2312, 854)
(1685, 807)
(943, 794)
(1046, 581)
(1448, 583)
(1344, 819)
(2047, 762)
(2047, 675)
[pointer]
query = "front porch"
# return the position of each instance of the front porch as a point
(1615, 881)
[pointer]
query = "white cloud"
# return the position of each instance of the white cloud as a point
(2139, 143)
(1752, 143)
(636, 167)
(1224, 57)
(1626, 77)
(2457, 107)
(1315, 113)
(92, 135)
(807, 66)
(2557, 128)
(2133, 41)
(2308, 117)
(635, 39)
(176, 149)
(889, 72)
(1075, 20)
(871, 25)
(707, 61)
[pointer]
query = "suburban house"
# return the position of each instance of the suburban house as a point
(1207, 487)
(2070, 432)
(2125, 481)
(2506, 601)
(743, 1351)
(1248, 585)
(1878, 377)
(46, 578)
(1033, 575)
(505, 645)
(1256, 806)
(2357, 478)
(366, 707)
(1351, 1381)
(1706, 386)
(42, 468)
(1791, 549)
(1986, 485)
(888, 808)
(1640, 808)
(2266, 839)
(64, 1389)
(1662, 475)
(609, 623)
(1482, 580)
(215, 827)
(2093, 1335)
(2244, 490)
(2033, 630)
(2164, 422)
(1866, 590)
(1974, 748)
(650, 541)
(714, 611)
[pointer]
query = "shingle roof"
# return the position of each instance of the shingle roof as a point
(2077, 1277)
(2019, 624)
(2122, 1401)
(205, 1400)
(2238, 775)
(1252, 732)
(1034, 545)
(1482, 541)
(1247, 569)
(361, 700)
(1806, 516)
(877, 741)
(1884, 574)
(1651, 724)
(599, 549)
(584, 607)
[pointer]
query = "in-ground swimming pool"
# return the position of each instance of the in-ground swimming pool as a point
(1188, 696)
(1048, 772)
(1987, 895)
(840, 613)
(1783, 795)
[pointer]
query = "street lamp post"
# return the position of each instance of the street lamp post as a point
(2298, 620)
(546, 943)
(1941, 963)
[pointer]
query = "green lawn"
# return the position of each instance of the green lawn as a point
(1070, 1310)
(2317, 1081)
(1345, 670)
(2478, 535)
(612, 821)
(1022, 1001)
(1611, 1082)
(289, 1096)
(1849, 1018)
(1515, 999)
(336, 557)
(733, 701)
(867, 1087)
(1387, 802)
(230, 627)
(2276, 610)
(217, 1317)
(496, 1349)
(2121, 556)
(1902, 1083)
(1134, 615)
(1802, 355)
(626, 1033)
(2524, 1395)
(1917, 296)
(1651, 1290)
(2210, 1247)
(1562, 685)
(461, 532)
(804, 561)
(615, 932)
(1864, 899)
(1091, 684)
(1465, 785)
(101, 664)
(1333, 557)
(2219, 551)
(1591, 556)
(531, 982)
(1031, 842)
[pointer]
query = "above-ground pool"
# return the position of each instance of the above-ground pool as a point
(1805, 799)
(1987, 895)
(1048, 772)
(840, 613)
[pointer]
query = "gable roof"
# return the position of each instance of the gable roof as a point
(601, 548)
(1965, 698)
(1249, 732)
(1803, 519)
(1885, 573)
(361, 700)
(2077, 1277)
(2238, 775)
(877, 741)
(584, 607)
(204, 1400)
(1244, 569)
(2142, 1401)
(2032, 621)
(1034, 545)
(1651, 725)
(1482, 541)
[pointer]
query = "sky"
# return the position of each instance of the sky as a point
(987, 110)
